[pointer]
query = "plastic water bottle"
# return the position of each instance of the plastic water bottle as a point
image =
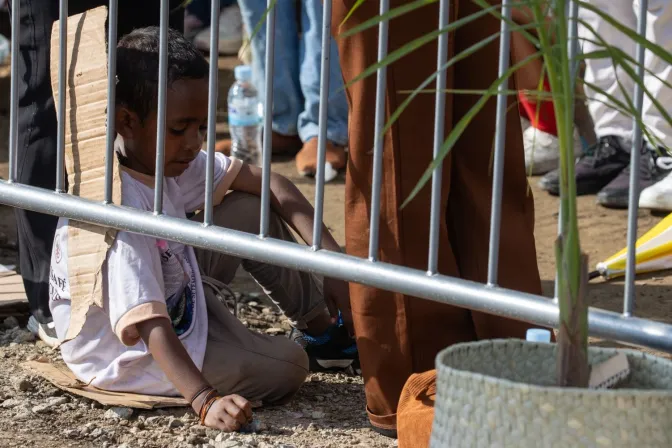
(245, 117)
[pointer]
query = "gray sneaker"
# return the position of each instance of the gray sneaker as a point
(46, 332)
(616, 193)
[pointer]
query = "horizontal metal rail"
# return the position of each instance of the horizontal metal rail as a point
(439, 288)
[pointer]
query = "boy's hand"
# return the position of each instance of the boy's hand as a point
(337, 297)
(229, 413)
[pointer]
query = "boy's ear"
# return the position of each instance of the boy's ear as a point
(126, 122)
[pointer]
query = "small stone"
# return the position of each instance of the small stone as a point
(119, 413)
(98, 432)
(31, 357)
(221, 437)
(154, 420)
(22, 384)
(198, 430)
(193, 439)
(42, 359)
(11, 403)
(139, 425)
(317, 415)
(175, 423)
(229, 444)
(10, 322)
(124, 445)
(57, 401)
(71, 433)
(274, 331)
(319, 398)
(24, 336)
(266, 311)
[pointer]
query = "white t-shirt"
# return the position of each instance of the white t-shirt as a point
(143, 278)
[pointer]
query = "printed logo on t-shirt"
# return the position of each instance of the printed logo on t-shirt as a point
(57, 251)
(180, 288)
(57, 286)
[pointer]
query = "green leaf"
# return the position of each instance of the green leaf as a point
(454, 60)
(461, 125)
(632, 34)
(391, 14)
(352, 11)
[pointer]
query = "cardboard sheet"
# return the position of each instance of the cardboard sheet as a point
(61, 377)
(85, 139)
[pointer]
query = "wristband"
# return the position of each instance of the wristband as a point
(206, 407)
(197, 394)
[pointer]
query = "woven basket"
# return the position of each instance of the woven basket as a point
(501, 393)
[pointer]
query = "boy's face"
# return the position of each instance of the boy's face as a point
(186, 126)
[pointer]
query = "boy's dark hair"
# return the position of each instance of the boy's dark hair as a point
(138, 67)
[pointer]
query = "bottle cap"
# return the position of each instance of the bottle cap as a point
(538, 335)
(243, 73)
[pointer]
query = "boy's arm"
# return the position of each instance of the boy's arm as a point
(228, 413)
(287, 201)
(293, 207)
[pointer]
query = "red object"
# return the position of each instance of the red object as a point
(543, 118)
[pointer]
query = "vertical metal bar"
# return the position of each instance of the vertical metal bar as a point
(573, 48)
(439, 122)
(322, 123)
(111, 97)
(500, 137)
(635, 157)
(62, 65)
(14, 92)
(268, 121)
(378, 142)
(161, 108)
(212, 111)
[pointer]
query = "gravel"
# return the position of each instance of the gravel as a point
(329, 411)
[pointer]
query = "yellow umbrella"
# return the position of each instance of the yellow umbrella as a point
(654, 253)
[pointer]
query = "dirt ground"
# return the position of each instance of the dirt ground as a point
(329, 410)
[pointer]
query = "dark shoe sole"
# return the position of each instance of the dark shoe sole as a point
(391, 433)
(613, 201)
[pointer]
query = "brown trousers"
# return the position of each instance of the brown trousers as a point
(237, 359)
(398, 335)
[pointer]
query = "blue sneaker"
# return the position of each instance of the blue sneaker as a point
(333, 351)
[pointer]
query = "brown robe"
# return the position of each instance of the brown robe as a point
(399, 335)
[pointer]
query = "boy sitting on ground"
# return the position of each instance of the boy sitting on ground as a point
(163, 330)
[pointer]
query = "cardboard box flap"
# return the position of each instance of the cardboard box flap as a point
(85, 138)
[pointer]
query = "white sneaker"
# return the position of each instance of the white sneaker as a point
(542, 153)
(230, 32)
(659, 195)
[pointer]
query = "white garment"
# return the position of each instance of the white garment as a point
(143, 278)
(602, 73)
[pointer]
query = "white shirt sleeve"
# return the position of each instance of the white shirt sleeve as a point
(192, 181)
(135, 290)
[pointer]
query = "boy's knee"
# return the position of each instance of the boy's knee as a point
(291, 375)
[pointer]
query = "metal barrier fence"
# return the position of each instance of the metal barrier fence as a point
(428, 284)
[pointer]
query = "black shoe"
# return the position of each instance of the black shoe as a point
(334, 351)
(616, 193)
(599, 165)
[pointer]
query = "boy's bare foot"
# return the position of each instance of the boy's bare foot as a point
(306, 159)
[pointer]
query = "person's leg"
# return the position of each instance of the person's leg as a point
(287, 97)
(36, 150)
(659, 31)
(601, 72)
(310, 55)
(392, 328)
(297, 294)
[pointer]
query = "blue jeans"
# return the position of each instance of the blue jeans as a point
(296, 76)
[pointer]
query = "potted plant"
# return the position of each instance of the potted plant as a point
(526, 394)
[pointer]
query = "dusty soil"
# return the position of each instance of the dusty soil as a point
(329, 410)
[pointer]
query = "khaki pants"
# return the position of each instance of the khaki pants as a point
(238, 360)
